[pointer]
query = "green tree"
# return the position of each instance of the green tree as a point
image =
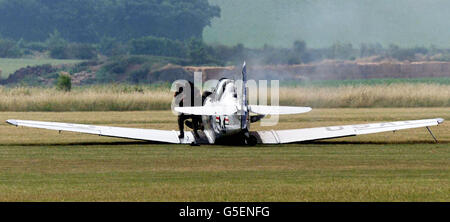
(81, 51)
(112, 47)
(341, 51)
(300, 46)
(57, 45)
(151, 45)
(64, 82)
(198, 52)
(89, 20)
(9, 49)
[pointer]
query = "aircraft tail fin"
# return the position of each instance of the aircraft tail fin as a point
(244, 104)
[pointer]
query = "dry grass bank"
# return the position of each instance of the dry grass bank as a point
(102, 98)
(395, 95)
(129, 98)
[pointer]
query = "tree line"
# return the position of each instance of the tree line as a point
(196, 52)
(85, 29)
(88, 21)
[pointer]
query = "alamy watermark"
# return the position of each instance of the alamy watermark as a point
(258, 93)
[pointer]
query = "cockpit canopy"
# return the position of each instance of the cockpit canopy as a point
(225, 87)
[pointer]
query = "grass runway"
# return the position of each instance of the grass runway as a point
(41, 165)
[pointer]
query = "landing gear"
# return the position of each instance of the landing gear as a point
(250, 140)
(194, 144)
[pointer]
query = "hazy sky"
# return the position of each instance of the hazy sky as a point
(322, 22)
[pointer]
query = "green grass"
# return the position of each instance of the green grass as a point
(40, 165)
(9, 66)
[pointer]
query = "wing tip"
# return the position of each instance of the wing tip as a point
(12, 122)
(440, 120)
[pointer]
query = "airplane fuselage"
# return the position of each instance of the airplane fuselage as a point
(222, 126)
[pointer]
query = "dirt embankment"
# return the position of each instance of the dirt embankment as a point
(330, 70)
(38, 74)
(333, 71)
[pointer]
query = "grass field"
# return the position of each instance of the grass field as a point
(40, 165)
(151, 97)
(9, 66)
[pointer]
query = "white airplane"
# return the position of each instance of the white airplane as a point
(226, 117)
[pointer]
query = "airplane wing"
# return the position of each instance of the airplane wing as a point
(278, 110)
(207, 110)
(164, 136)
(310, 134)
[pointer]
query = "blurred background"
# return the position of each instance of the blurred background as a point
(139, 46)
